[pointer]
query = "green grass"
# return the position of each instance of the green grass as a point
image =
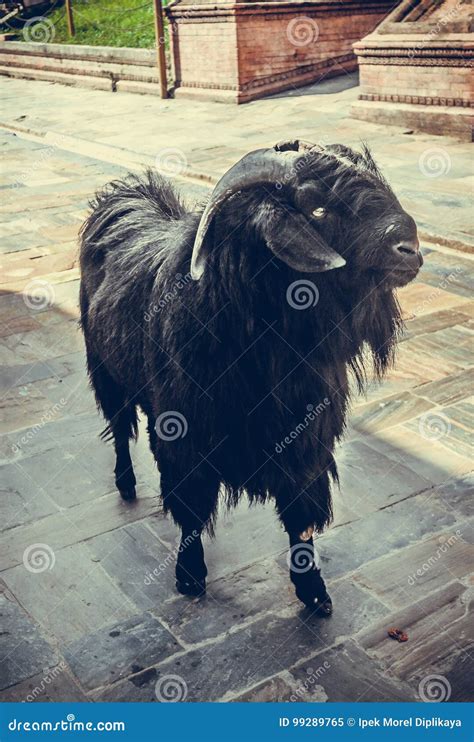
(107, 23)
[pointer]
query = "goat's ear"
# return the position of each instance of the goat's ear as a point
(293, 239)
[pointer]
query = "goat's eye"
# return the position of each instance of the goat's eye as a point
(319, 213)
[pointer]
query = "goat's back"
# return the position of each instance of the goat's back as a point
(134, 227)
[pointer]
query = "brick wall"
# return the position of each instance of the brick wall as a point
(432, 75)
(241, 52)
(417, 81)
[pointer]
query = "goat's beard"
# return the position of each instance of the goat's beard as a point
(378, 324)
(395, 279)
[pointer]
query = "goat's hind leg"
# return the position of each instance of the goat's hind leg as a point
(122, 427)
(122, 419)
(305, 575)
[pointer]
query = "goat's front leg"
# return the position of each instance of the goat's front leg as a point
(310, 587)
(191, 570)
(192, 501)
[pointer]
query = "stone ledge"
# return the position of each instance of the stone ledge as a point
(99, 67)
(127, 55)
(440, 120)
(416, 100)
(84, 81)
(267, 85)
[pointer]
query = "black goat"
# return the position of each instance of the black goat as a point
(243, 372)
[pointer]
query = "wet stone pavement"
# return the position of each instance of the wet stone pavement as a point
(89, 610)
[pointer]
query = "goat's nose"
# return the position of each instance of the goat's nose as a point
(410, 254)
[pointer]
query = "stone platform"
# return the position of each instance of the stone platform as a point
(416, 69)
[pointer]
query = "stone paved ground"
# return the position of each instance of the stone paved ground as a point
(433, 175)
(81, 619)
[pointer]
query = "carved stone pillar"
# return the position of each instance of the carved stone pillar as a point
(237, 52)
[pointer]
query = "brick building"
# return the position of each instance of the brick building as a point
(237, 52)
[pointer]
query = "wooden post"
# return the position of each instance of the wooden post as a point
(160, 47)
(70, 19)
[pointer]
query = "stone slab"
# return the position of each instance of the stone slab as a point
(375, 416)
(70, 595)
(436, 320)
(81, 522)
(229, 601)
(23, 650)
(438, 617)
(53, 686)
(247, 656)
(410, 574)
(449, 390)
(457, 494)
(370, 481)
(433, 462)
(348, 547)
(346, 674)
(139, 563)
(139, 642)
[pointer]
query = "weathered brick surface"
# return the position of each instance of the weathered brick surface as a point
(425, 64)
(252, 52)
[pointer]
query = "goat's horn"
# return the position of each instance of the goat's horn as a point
(297, 145)
(274, 165)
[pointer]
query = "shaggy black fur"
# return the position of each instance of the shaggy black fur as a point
(228, 352)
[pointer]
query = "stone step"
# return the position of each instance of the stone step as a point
(106, 54)
(457, 121)
(79, 67)
(83, 81)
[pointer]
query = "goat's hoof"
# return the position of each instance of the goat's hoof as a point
(318, 607)
(322, 608)
(191, 587)
(129, 494)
